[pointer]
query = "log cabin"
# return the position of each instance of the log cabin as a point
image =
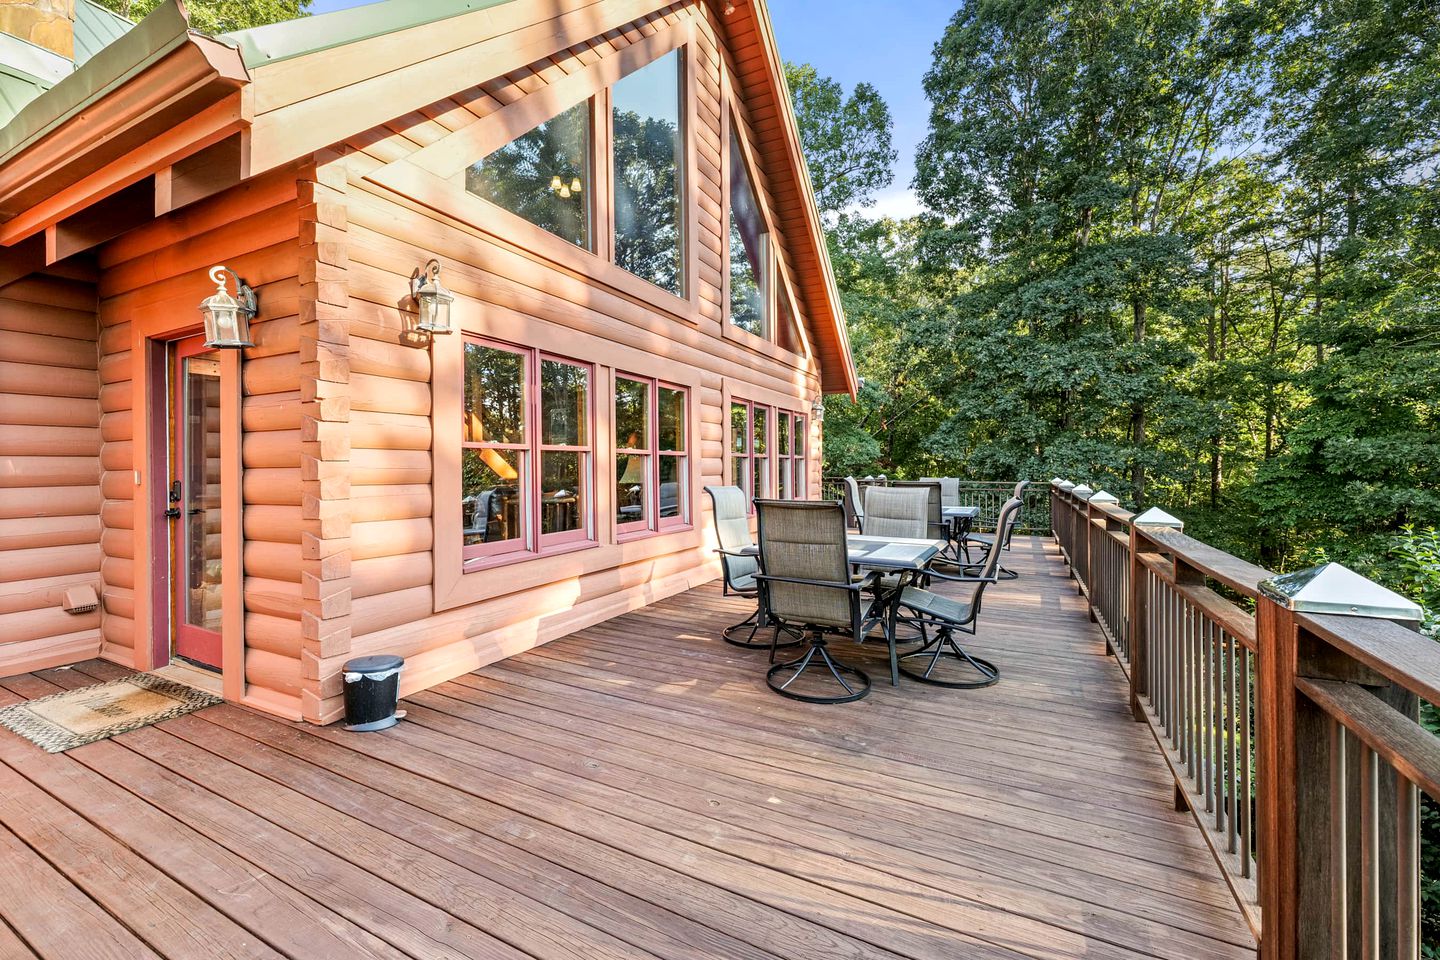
(614, 195)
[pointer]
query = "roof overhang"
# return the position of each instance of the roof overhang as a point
(145, 89)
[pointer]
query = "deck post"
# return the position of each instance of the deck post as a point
(1321, 789)
(1277, 641)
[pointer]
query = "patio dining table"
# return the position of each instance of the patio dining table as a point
(893, 554)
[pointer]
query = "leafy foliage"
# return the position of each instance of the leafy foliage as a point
(219, 16)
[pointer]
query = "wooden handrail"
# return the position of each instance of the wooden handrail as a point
(1403, 743)
(1303, 712)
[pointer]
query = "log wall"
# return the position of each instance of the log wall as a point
(393, 569)
(158, 272)
(50, 459)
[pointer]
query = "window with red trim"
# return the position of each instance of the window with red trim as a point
(652, 460)
(790, 455)
(526, 452)
(750, 452)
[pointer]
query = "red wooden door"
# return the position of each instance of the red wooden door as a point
(194, 502)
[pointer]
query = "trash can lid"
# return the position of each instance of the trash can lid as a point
(378, 663)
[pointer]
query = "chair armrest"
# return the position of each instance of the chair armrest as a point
(952, 578)
(735, 553)
(835, 585)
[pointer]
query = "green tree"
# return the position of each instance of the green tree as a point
(846, 139)
(219, 16)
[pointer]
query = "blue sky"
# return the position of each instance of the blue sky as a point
(852, 40)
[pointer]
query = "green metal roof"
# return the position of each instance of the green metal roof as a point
(16, 90)
(294, 38)
(95, 29)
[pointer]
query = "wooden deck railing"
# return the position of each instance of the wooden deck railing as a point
(1292, 737)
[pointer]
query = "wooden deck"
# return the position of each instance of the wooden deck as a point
(632, 791)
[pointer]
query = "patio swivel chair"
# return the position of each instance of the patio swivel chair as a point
(806, 585)
(946, 616)
(936, 526)
(949, 489)
(854, 504)
(732, 531)
(1000, 539)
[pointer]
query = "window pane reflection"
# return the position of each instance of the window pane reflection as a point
(543, 175)
(562, 497)
(672, 486)
(647, 163)
(672, 419)
(494, 395)
(563, 403)
(747, 248)
(632, 484)
(492, 495)
(632, 414)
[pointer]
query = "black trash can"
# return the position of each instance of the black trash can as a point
(372, 688)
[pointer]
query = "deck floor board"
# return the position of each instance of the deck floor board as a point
(633, 790)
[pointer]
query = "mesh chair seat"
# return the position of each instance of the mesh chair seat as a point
(938, 605)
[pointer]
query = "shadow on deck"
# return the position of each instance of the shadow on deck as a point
(629, 791)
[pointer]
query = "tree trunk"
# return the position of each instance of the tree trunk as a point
(1137, 421)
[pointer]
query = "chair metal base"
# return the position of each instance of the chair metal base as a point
(945, 645)
(819, 655)
(750, 643)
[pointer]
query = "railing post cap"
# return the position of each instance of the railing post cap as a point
(1155, 517)
(1083, 492)
(1066, 485)
(1104, 497)
(1056, 481)
(1335, 588)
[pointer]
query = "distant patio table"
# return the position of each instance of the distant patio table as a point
(961, 520)
(880, 553)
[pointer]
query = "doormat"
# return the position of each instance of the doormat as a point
(73, 718)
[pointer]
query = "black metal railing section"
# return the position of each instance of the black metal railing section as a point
(989, 496)
(1292, 736)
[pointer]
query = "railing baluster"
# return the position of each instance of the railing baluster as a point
(1369, 854)
(1407, 868)
(1247, 714)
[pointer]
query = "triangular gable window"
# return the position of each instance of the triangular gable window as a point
(543, 175)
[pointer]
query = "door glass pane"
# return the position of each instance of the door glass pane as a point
(202, 492)
(747, 248)
(782, 433)
(492, 495)
(632, 414)
(632, 484)
(564, 390)
(672, 486)
(543, 175)
(648, 161)
(672, 419)
(562, 499)
(494, 395)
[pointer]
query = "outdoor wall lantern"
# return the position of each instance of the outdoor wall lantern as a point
(432, 298)
(227, 318)
(817, 409)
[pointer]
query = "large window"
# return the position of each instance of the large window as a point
(749, 245)
(543, 175)
(648, 155)
(750, 453)
(651, 455)
(790, 455)
(525, 463)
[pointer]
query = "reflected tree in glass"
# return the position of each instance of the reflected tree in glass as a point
(648, 158)
(748, 238)
(534, 176)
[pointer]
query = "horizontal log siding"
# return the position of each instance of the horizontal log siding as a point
(252, 228)
(50, 456)
(390, 498)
